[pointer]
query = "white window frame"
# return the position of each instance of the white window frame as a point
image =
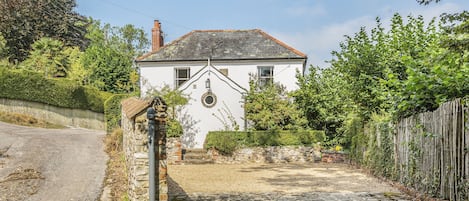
(177, 79)
(264, 79)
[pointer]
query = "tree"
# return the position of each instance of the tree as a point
(22, 22)
(381, 66)
(48, 56)
(270, 108)
(324, 99)
(110, 54)
(173, 99)
(426, 2)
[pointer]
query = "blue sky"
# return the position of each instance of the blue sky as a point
(315, 27)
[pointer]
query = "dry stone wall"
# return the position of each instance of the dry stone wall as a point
(137, 162)
(280, 154)
(136, 155)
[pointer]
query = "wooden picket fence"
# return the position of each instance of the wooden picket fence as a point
(431, 151)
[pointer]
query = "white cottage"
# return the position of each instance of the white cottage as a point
(214, 67)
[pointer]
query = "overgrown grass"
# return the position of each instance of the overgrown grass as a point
(116, 173)
(26, 120)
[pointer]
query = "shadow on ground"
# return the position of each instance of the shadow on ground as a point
(175, 191)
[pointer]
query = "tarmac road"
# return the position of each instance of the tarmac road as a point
(51, 164)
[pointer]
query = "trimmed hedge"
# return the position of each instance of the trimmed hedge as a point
(227, 141)
(112, 111)
(32, 86)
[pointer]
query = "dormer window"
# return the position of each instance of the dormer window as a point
(266, 75)
(181, 76)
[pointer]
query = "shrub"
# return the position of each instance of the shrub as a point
(227, 141)
(173, 128)
(112, 111)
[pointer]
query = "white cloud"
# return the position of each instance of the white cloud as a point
(318, 43)
(428, 12)
(301, 11)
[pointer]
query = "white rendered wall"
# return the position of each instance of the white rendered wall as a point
(198, 120)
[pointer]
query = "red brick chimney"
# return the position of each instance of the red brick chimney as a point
(156, 36)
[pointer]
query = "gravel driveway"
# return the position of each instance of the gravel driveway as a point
(50, 164)
(262, 182)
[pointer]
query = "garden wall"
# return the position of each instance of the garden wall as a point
(135, 145)
(57, 115)
(272, 154)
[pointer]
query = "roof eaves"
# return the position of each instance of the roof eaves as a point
(237, 59)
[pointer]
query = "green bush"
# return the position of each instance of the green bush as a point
(173, 128)
(112, 111)
(227, 141)
(32, 86)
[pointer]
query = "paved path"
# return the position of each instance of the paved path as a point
(50, 164)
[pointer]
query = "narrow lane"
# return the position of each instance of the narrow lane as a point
(51, 164)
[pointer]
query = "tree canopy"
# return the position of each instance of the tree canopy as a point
(22, 22)
(110, 54)
(412, 67)
(270, 108)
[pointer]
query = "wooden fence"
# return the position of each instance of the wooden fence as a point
(431, 151)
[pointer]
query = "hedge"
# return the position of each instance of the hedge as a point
(32, 86)
(227, 141)
(112, 111)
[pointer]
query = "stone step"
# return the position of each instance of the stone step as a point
(197, 162)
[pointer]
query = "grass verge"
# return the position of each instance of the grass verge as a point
(26, 120)
(116, 174)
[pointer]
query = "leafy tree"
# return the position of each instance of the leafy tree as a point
(3, 52)
(426, 2)
(378, 65)
(48, 56)
(173, 99)
(109, 56)
(323, 97)
(22, 22)
(270, 108)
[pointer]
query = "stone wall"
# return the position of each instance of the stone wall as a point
(283, 154)
(174, 150)
(136, 156)
(333, 157)
(57, 115)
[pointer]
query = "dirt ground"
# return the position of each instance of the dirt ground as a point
(284, 178)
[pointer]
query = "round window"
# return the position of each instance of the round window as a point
(209, 99)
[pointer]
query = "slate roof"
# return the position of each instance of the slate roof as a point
(224, 45)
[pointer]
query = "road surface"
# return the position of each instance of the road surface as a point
(51, 164)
